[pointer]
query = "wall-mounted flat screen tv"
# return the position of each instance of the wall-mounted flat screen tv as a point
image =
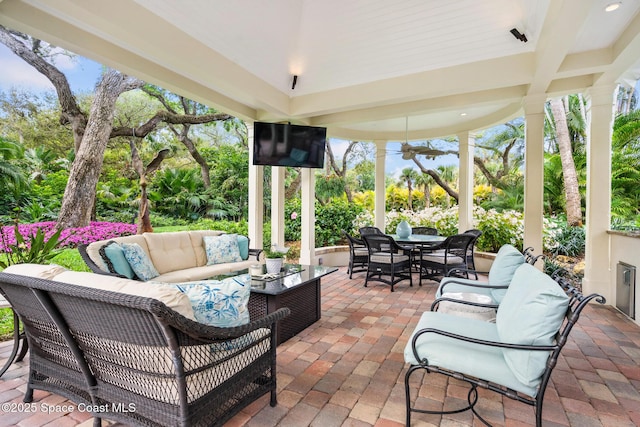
(279, 144)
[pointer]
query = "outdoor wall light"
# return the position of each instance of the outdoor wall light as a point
(517, 34)
(612, 6)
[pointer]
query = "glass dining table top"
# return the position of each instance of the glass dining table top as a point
(419, 239)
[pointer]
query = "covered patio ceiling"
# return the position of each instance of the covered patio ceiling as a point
(365, 68)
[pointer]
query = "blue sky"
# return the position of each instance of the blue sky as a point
(83, 74)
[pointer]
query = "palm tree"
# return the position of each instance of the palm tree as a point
(10, 174)
(625, 167)
(569, 174)
(40, 161)
(425, 181)
(449, 174)
(407, 176)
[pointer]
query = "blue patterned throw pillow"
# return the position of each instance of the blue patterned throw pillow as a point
(222, 249)
(139, 261)
(218, 303)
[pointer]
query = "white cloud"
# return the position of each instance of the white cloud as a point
(14, 72)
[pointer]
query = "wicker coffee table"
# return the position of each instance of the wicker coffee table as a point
(298, 288)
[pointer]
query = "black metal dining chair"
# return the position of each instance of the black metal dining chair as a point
(386, 258)
(449, 255)
(369, 230)
(358, 254)
(429, 231)
(471, 250)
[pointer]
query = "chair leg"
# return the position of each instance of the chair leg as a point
(17, 337)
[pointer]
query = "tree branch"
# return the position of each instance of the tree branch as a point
(170, 118)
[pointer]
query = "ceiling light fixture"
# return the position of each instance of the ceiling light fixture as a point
(463, 114)
(613, 6)
(295, 81)
(517, 34)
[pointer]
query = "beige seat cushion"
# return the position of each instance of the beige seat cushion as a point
(170, 251)
(167, 294)
(204, 272)
(43, 271)
(385, 258)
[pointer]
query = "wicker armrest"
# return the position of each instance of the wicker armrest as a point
(204, 332)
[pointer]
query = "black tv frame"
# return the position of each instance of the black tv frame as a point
(285, 144)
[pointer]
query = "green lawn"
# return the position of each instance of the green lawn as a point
(6, 324)
(69, 258)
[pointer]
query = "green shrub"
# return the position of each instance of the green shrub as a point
(570, 241)
(330, 219)
(498, 228)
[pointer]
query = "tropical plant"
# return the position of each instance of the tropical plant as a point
(33, 248)
(274, 251)
(10, 174)
(408, 176)
(570, 241)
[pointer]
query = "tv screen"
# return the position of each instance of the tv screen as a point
(278, 144)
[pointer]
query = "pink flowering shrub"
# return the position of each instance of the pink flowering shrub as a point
(70, 237)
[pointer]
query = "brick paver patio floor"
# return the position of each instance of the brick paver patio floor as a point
(348, 370)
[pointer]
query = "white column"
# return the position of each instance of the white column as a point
(465, 181)
(256, 196)
(597, 276)
(277, 205)
(380, 190)
(534, 171)
(308, 220)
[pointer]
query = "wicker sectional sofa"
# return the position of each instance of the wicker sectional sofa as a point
(178, 256)
(133, 352)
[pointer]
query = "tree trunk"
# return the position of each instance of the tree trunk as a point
(205, 171)
(569, 175)
(79, 195)
(341, 171)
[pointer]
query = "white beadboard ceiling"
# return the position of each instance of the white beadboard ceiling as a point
(364, 66)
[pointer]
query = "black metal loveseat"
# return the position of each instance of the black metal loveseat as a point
(132, 359)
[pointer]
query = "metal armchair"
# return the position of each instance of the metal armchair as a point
(513, 357)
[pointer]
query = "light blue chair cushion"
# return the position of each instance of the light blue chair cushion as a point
(222, 249)
(115, 256)
(243, 246)
(508, 259)
(531, 313)
(475, 360)
(222, 303)
(139, 261)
